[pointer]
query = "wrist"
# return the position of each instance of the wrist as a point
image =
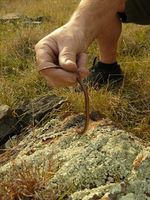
(82, 27)
(87, 18)
(90, 16)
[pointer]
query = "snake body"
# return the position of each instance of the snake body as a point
(86, 98)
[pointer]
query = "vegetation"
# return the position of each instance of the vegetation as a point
(28, 182)
(127, 105)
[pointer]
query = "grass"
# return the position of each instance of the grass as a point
(128, 106)
(27, 182)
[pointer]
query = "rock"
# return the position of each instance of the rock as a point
(37, 20)
(10, 17)
(8, 123)
(74, 121)
(105, 163)
(27, 115)
(38, 110)
(13, 141)
(42, 18)
(31, 22)
(96, 115)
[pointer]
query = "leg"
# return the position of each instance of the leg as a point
(107, 70)
(107, 41)
(108, 38)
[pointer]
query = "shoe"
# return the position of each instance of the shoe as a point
(102, 74)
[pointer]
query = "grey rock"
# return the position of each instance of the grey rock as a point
(42, 18)
(38, 110)
(28, 114)
(10, 17)
(105, 162)
(31, 22)
(38, 20)
(75, 121)
(15, 17)
(8, 123)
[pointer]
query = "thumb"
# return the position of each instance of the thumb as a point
(82, 60)
(67, 59)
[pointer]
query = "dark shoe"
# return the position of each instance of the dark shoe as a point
(102, 73)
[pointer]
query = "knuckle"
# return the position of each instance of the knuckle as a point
(38, 46)
(41, 44)
(67, 55)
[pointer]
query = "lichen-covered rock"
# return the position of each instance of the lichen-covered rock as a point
(105, 163)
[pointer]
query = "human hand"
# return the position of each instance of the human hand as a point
(60, 56)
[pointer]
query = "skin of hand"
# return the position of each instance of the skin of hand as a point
(61, 54)
(63, 48)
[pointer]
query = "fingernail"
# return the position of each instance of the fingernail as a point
(69, 62)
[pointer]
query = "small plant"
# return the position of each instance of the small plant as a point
(24, 182)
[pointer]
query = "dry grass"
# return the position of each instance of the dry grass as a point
(17, 63)
(25, 182)
(28, 182)
(128, 106)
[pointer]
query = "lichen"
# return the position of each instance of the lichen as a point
(105, 161)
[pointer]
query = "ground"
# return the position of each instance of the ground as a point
(54, 162)
(22, 25)
(128, 106)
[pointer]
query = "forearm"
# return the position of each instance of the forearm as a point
(91, 14)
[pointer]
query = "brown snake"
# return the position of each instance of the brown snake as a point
(86, 99)
(86, 103)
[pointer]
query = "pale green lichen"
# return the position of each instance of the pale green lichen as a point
(99, 162)
(88, 166)
(129, 196)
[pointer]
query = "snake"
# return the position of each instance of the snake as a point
(86, 98)
(86, 104)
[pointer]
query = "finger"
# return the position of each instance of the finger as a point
(59, 77)
(82, 60)
(46, 54)
(67, 56)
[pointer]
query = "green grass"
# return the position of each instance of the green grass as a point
(128, 106)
